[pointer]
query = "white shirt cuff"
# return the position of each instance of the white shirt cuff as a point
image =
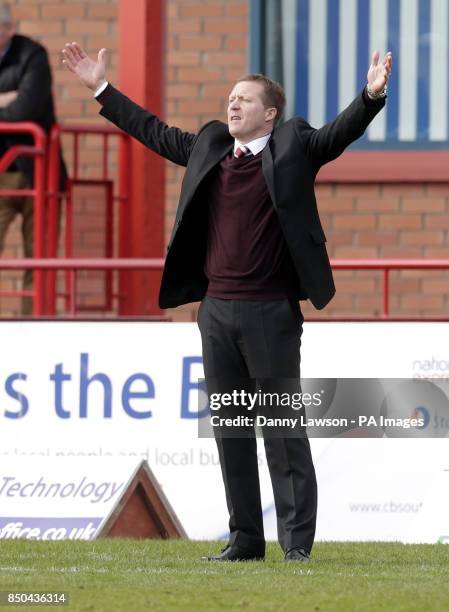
(101, 89)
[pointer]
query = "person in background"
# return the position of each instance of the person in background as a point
(25, 95)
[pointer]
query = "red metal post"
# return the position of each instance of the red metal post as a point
(125, 199)
(109, 242)
(39, 231)
(52, 214)
(141, 77)
(68, 241)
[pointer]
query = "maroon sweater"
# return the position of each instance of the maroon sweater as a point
(247, 256)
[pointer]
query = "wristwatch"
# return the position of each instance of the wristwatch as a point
(376, 95)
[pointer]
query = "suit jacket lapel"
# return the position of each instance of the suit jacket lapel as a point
(214, 155)
(268, 170)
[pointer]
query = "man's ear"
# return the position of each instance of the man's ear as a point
(270, 113)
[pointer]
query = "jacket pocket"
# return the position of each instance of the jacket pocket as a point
(318, 235)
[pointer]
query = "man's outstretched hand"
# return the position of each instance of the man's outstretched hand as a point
(91, 73)
(379, 72)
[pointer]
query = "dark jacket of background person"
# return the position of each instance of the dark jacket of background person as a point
(290, 163)
(25, 68)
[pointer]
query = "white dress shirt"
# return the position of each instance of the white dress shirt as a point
(255, 146)
(101, 89)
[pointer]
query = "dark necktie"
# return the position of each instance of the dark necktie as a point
(241, 151)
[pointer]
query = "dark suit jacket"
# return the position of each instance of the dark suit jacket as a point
(25, 68)
(290, 163)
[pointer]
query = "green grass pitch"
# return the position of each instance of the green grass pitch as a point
(114, 574)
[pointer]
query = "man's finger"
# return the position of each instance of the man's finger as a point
(69, 53)
(68, 61)
(102, 56)
(79, 50)
(375, 58)
(75, 51)
(68, 66)
(388, 58)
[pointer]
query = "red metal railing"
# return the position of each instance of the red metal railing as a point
(104, 180)
(72, 265)
(387, 265)
(38, 152)
(46, 194)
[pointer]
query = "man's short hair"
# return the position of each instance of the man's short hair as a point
(273, 95)
(5, 14)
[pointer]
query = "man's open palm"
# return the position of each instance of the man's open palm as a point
(379, 71)
(91, 73)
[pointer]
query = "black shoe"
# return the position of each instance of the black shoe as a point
(297, 554)
(234, 553)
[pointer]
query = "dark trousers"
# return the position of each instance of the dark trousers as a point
(259, 340)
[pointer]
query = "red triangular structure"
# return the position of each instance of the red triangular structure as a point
(143, 511)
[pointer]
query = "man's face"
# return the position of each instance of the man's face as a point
(247, 116)
(6, 33)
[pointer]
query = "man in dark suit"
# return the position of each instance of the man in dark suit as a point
(25, 95)
(248, 242)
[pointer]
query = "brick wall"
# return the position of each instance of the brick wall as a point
(206, 51)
